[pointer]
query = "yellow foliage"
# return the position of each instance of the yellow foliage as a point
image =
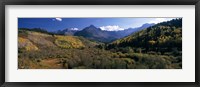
(68, 42)
(25, 43)
(152, 42)
(177, 31)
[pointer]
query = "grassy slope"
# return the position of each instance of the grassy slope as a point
(41, 40)
(38, 46)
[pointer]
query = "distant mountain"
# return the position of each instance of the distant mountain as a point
(129, 31)
(36, 30)
(67, 31)
(93, 33)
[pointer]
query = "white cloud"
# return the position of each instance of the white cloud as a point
(74, 29)
(58, 19)
(158, 20)
(111, 28)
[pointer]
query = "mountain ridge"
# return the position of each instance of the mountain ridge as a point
(94, 33)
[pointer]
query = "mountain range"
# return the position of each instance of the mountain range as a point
(93, 33)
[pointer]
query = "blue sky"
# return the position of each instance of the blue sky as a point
(110, 24)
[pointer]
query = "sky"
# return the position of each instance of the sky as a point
(109, 24)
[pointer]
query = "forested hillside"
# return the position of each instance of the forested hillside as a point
(163, 37)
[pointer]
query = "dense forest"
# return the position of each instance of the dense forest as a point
(156, 47)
